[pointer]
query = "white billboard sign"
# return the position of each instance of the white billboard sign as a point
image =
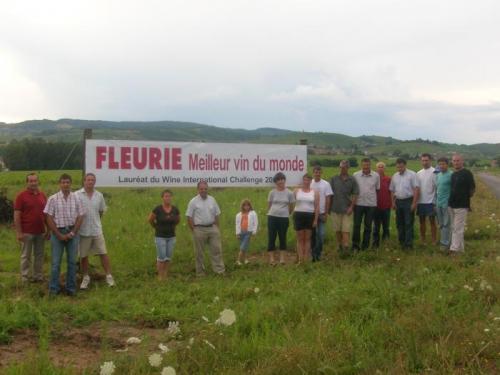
(153, 163)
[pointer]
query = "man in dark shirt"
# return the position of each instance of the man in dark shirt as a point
(462, 189)
(345, 191)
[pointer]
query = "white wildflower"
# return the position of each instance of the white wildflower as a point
(227, 317)
(107, 368)
(216, 299)
(256, 290)
(205, 319)
(209, 344)
(163, 348)
(486, 330)
(173, 328)
(169, 370)
(133, 340)
(155, 360)
(485, 285)
(469, 288)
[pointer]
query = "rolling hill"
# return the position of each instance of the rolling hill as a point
(70, 130)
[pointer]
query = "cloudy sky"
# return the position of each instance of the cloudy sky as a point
(428, 69)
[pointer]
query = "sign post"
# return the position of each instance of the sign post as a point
(87, 134)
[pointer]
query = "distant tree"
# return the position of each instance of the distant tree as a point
(405, 156)
(473, 162)
(353, 162)
(38, 154)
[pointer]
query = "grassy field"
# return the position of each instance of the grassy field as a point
(385, 311)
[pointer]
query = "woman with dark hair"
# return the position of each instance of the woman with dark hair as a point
(164, 219)
(305, 217)
(280, 205)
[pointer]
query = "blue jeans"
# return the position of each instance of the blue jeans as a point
(164, 248)
(443, 217)
(405, 218)
(58, 247)
(318, 238)
(245, 240)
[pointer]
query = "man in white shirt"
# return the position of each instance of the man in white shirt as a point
(404, 195)
(427, 197)
(203, 219)
(325, 192)
(91, 236)
(369, 183)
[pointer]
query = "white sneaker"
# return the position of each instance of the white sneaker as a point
(110, 280)
(85, 282)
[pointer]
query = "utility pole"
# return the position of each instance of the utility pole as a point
(87, 134)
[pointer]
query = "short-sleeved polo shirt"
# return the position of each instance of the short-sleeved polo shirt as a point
(343, 190)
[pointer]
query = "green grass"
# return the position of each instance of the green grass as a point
(379, 312)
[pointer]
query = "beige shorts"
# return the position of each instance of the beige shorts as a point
(342, 222)
(92, 245)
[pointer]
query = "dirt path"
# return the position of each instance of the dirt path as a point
(85, 348)
(493, 182)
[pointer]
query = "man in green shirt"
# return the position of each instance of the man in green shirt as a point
(443, 194)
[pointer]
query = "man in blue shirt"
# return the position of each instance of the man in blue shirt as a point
(443, 187)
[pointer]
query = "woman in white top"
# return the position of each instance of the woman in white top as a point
(305, 217)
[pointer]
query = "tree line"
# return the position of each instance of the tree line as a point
(39, 154)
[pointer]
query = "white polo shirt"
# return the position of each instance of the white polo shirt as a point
(203, 211)
(91, 224)
(324, 190)
(368, 186)
(427, 182)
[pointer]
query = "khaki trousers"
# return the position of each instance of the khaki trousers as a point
(33, 243)
(210, 236)
(458, 219)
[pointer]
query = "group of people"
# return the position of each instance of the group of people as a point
(72, 220)
(365, 200)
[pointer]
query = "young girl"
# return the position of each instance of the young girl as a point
(246, 225)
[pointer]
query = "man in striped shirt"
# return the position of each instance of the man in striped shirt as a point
(64, 212)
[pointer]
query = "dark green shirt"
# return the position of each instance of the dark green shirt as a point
(462, 188)
(343, 190)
